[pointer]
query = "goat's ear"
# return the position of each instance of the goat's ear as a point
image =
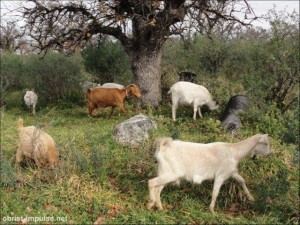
(163, 141)
(264, 139)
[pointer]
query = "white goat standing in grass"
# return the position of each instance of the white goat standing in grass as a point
(30, 99)
(198, 162)
(191, 94)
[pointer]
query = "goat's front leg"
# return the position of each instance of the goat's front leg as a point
(121, 106)
(158, 191)
(157, 196)
(241, 181)
(217, 185)
(155, 187)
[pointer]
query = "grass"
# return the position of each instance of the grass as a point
(100, 180)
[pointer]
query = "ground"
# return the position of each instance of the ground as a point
(101, 181)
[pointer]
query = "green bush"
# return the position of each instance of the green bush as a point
(15, 100)
(107, 61)
(55, 77)
(292, 125)
(270, 121)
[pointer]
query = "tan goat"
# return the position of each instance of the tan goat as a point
(37, 145)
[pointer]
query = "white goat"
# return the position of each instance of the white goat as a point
(198, 162)
(87, 84)
(30, 99)
(113, 85)
(189, 93)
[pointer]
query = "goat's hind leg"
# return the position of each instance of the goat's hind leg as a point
(174, 108)
(19, 157)
(195, 112)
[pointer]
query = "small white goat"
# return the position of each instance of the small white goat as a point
(189, 93)
(113, 85)
(30, 99)
(198, 162)
(37, 145)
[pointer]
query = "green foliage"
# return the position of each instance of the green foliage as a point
(12, 69)
(107, 61)
(55, 77)
(8, 176)
(292, 125)
(270, 122)
(15, 100)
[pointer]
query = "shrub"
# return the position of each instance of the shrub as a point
(55, 77)
(291, 123)
(106, 61)
(12, 71)
(270, 121)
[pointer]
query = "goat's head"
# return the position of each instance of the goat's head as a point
(263, 146)
(213, 104)
(134, 90)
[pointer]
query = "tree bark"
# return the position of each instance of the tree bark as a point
(146, 71)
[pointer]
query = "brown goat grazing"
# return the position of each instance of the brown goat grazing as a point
(37, 145)
(105, 97)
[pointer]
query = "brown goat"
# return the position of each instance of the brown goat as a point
(105, 97)
(37, 145)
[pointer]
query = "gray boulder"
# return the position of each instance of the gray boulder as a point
(134, 131)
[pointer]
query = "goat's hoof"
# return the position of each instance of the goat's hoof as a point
(212, 210)
(160, 208)
(150, 205)
(251, 198)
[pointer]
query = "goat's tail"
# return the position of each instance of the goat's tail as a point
(169, 92)
(20, 123)
(163, 142)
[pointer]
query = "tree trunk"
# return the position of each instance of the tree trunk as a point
(146, 70)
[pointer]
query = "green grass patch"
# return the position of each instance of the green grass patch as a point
(100, 180)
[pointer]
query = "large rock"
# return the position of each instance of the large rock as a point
(134, 131)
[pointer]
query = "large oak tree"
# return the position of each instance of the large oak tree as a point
(142, 27)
